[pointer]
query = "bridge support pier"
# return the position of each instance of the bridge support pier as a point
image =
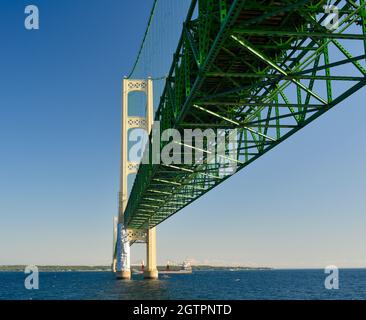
(151, 271)
(123, 254)
(124, 275)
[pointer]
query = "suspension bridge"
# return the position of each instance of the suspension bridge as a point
(265, 69)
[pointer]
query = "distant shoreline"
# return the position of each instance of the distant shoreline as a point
(20, 268)
(45, 268)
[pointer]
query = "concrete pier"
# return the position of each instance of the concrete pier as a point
(123, 275)
(151, 271)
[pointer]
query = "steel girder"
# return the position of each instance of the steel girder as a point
(265, 68)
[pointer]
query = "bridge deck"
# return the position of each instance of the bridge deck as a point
(266, 69)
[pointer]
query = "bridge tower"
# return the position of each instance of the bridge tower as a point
(125, 235)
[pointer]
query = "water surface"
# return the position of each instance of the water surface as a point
(223, 284)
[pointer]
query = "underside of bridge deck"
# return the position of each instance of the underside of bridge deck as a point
(264, 68)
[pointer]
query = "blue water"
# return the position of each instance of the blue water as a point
(267, 284)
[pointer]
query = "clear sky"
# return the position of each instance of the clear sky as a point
(301, 205)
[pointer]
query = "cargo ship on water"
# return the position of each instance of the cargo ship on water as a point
(184, 268)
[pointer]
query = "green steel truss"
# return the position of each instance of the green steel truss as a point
(266, 68)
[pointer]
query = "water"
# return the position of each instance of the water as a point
(224, 284)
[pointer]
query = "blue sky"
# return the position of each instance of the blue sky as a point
(301, 205)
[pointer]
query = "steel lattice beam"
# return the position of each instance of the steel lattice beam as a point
(267, 69)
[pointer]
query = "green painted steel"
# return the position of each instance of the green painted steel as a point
(265, 68)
